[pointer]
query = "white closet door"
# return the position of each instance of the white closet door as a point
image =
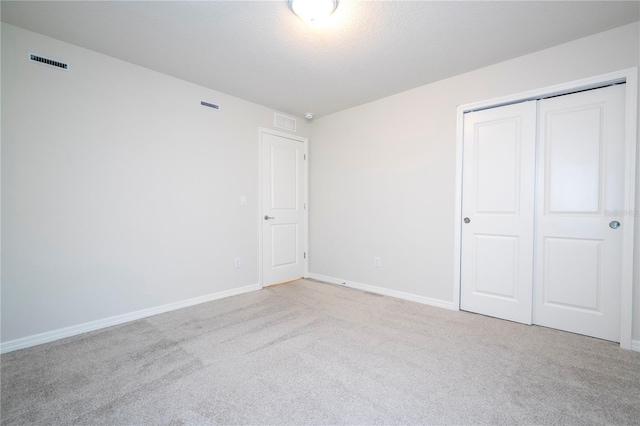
(579, 204)
(498, 207)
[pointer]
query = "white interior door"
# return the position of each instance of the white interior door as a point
(283, 202)
(580, 204)
(498, 207)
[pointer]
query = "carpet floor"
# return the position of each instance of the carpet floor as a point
(315, 353)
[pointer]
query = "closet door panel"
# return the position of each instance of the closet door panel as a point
(579, 204)
(497, 202)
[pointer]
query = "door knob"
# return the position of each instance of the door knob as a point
(467, 220)
(267, 217)
(614, 224)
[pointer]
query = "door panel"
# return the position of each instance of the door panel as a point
(498, 197)
(573, 173)
(497, 187)
(578, 269)
(284, 177)
(496, 280)
(568, 281)
(283, 208)
(284, 244)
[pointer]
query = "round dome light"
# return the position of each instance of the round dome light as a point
(310, 10)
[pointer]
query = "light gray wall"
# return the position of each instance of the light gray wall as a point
(119, 191)
(382, 175)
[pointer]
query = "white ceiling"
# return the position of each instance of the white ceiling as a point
(260, 51)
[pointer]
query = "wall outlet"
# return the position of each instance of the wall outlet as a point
(243, 200)
(377, 262)
(236, 262)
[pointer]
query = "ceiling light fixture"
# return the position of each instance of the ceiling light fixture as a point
(311, 10)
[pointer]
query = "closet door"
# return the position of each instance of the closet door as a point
(498, 210)
(579, 212)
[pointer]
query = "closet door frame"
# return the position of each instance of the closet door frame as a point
(628, 76)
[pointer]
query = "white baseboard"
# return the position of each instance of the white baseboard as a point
(61, 333)
(385, 291)
(635, 345)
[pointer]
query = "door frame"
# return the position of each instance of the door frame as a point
(305, 199)
(628, 76)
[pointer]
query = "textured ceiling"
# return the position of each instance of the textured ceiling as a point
(260, 51)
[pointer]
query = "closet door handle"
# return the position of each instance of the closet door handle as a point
(467, 220)
(267, 217)
(614, 224)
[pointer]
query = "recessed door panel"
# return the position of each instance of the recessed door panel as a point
(574, 147)
(284, 177)
(572, 273)
(284, 244)
(496, 269)
(497, 142)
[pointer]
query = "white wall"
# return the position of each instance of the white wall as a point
(119, 191)
(382, 175)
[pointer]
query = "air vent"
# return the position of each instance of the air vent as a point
(284, 122)
(210, 105)
(48, 61)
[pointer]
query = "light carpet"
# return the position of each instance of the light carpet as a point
(315, 353)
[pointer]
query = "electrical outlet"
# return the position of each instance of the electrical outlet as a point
(236, 262)
(243, 200)
(377, 262)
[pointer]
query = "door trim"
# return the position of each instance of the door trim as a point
(628, 76)
(305, 197)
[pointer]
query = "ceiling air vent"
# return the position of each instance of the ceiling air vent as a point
(284, 122)
(48, 61)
